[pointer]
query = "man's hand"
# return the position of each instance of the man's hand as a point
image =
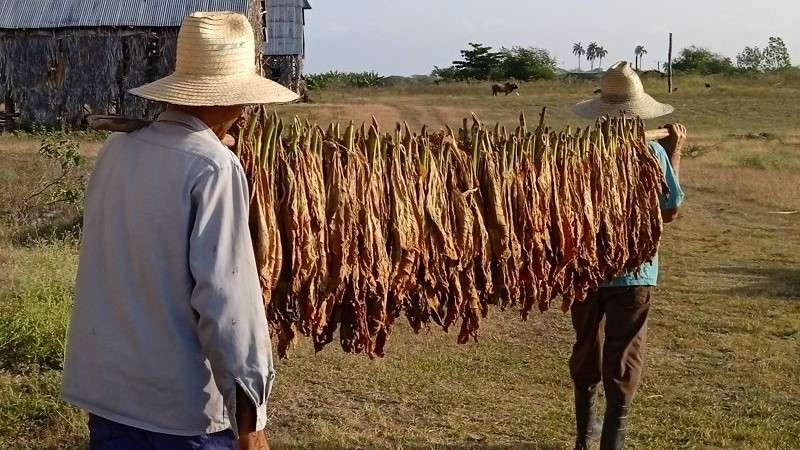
(256, 440)
(249, 438)
(673, 143)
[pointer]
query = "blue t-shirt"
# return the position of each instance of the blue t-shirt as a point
(648, 272)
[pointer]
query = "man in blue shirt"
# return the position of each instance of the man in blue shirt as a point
(622, 303)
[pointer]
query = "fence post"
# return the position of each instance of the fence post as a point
(669, 66)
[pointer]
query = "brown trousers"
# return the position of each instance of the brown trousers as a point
(618, 359)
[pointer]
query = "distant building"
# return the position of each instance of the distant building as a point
(285, 49)
(62, 59)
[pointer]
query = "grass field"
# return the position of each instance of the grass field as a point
(724, 340)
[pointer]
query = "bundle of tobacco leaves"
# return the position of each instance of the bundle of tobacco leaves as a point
(353, 228)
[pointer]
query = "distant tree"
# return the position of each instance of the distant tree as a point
(579, 51)
(527, 63)
(591, 53)
(776, 56)
(445, 73)
(601, 53)
(638, 53)
(479, 63)
(700, 60)
(750, 58)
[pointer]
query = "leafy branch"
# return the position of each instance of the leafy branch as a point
(67, 186)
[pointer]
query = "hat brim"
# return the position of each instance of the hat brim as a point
(215, 91)
(645, 107)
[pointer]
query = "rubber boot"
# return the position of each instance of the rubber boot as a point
(587, 427)
(614, 426)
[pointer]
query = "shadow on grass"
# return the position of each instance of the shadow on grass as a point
(466, 446)
(771, 281)
(62, 228)
(82, 445)
(51, 444)
(461, 446)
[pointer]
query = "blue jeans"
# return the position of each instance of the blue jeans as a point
(107, 435)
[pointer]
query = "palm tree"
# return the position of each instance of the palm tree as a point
(591, 53)
(577, 49)
(639, 52)
(641, 55)
(601, 53)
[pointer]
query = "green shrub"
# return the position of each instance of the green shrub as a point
(34, 326)
(35, 306)
(333, 79)
(765, 160)
(33, 416)
(63, 183)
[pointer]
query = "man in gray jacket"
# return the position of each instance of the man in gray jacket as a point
(168, 344)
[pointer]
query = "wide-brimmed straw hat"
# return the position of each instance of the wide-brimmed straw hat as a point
(215, 66)
(621, 90)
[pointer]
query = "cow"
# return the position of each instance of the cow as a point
(506, 87)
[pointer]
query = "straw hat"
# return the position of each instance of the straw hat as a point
(215, 66)
(621, 90)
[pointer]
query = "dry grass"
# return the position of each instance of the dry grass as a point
(721, 372)
(725, 333)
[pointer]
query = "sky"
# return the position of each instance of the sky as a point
(407, 37)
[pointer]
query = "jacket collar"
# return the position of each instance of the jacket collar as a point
(188, 120)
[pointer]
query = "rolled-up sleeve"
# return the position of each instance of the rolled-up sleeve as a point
(232, 326)
(675, 196)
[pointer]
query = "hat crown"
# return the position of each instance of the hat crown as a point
(215, 65)
(620, 84)
(621, 90)
(215, 44)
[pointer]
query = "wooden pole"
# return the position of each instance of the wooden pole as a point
(669, 66)
(655, 135)
(129, 124)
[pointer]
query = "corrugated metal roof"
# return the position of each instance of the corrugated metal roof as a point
(285, 20)
(16, 14)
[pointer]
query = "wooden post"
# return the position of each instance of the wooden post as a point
(258, 20)
(669, 66)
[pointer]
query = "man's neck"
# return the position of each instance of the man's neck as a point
(218, 118)
(200, 112)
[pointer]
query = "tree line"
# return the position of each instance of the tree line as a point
(699, 60)
(481, 62)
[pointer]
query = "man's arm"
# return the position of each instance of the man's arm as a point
(673, 145)
(669, 215)
(231, 324)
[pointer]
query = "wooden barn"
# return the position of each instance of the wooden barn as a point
(285, 50)
(63, 59)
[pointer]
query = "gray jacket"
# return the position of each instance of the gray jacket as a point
(168, 316)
